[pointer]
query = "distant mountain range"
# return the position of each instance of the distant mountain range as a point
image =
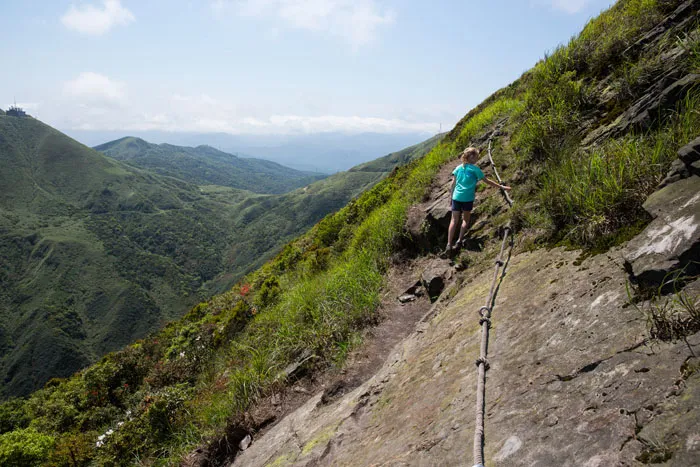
(97, 252)
(320, 152)
(205, 165)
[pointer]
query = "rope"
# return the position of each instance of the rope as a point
(493, 166)
(485, 323)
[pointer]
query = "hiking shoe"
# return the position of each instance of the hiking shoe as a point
(447, 253)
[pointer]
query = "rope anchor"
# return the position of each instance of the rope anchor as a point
(481, 360)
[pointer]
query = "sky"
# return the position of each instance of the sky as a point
(272, 66)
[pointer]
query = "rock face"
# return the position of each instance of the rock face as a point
(671, 242)
(573, 381)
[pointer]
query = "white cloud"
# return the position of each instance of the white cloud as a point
(95, 20)
(277, 124)
(569, 6)
(95, 87)
(98, 103)
(355, 21)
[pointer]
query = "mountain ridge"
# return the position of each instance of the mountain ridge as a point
(206, 165)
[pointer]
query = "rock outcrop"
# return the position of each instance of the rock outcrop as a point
(670, 244)
(573, 381)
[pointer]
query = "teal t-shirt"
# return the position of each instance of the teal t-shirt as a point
(466, 175)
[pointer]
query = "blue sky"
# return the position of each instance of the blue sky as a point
(272, 66)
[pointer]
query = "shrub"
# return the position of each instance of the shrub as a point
(13, 415)
(23, 448)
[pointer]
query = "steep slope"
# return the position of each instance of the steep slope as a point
(97, 253)
(267, 221)
(578, 373)
(205, 165)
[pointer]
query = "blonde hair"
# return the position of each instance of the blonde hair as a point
(470, 153)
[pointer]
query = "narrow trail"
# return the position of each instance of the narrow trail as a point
(396, 321)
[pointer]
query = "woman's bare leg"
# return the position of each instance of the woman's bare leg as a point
(465, 226)
(452, 230)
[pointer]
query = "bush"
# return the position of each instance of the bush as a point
(23, 448)
(13, 415)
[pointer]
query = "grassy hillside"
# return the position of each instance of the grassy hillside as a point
(96, 253)
(190, 384)
(205, 165)
(268, 222)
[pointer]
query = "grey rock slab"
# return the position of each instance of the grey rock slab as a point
(572, 377)
(670, 241)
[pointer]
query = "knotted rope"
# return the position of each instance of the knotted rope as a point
(485, 323)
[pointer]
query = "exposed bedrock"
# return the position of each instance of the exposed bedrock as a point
(574, 381)
(670, 245)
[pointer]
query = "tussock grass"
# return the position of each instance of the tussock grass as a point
(592, 194)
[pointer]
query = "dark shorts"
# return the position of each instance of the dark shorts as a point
(462, 205)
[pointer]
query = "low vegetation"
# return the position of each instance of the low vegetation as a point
(110, 253)
(159, 398)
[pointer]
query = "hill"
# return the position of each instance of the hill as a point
(205, 165)
(94, 253)
(97, 253)
(594, 348)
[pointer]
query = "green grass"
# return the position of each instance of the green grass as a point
(593, 194)
(186, 385)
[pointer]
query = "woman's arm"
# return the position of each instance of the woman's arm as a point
(495, 185)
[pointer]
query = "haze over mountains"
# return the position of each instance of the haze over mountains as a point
(98, 251)
(321, 152)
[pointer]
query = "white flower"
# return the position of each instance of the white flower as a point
(101, 437)
(182, 354)
(99, 444)
(120, 423)
(109, 432)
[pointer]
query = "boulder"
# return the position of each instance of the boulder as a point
(690, 153)
(427, 226)
(687, 164)
(678, 171)
(671, 242)
(660, 98)
(647, 110)
(433, 279)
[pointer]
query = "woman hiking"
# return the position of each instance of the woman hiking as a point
(464, 180)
